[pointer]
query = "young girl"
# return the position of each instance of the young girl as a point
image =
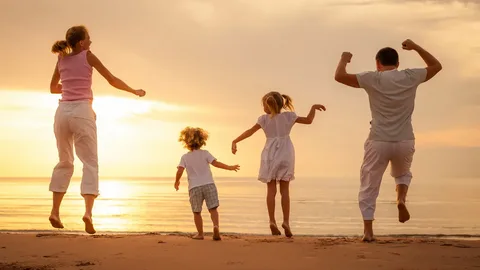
(75, 119)
(278, 156)
(200, 181)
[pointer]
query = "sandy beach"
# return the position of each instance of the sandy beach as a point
(157, 251)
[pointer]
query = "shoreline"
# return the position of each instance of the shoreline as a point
(179, 233)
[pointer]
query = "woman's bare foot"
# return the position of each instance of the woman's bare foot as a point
(55, 221)
(216, 234)
(88, 225)
(198, 236)
(274, 229)
(288, 232)
(403, 214)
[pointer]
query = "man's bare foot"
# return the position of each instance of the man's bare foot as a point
(88, 225)
(274, 229)
(216, 234)
(368, 238)
(198, 236)
(368, 231)
(55, 221)
(403, 214)
(288, 232)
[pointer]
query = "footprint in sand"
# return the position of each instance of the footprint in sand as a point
(84, 263)
(462, 246)
(15, 266)
(456, 245)
(55, 255)
(233, 263)
(385, 242)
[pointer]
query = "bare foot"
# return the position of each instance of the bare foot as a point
(368, 238)
(368, 231)
(403, 214)
(198, 236)
(274, 229)
(216, 234)
(55, 221)
(288, 232)
(88, 225)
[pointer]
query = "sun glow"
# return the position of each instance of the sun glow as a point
(114, 108)
(114, 189)
(130, 130)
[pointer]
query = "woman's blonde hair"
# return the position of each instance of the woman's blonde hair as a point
(193, 138)
(275, 102)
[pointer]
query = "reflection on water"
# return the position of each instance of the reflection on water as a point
(319, 206)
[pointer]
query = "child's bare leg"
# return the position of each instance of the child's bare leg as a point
(215, 220)
(55, 213)
(271, 193)
(214, 216)
(87, 218)
(368, 231)
(403, 214)
(285, 192)
(197, 217)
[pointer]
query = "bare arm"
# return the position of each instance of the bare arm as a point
(112, 80)
(246, 134)
(178, 177)
(221, 165)
(55, 87)
(341, 74)
(311, 115)
(433, 65)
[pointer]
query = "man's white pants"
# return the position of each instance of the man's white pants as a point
(75, 125)
(376, 158)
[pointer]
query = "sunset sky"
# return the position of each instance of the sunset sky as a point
(208, 64)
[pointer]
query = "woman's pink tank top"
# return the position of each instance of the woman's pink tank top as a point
(76, 77)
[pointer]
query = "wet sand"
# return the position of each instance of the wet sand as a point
(177, 251)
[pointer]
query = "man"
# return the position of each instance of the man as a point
(391, 94)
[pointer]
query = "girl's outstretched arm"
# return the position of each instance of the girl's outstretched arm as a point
(221, 165)
(178, 177)
(55, 87)
(309, 119)
(112, 80)
(246, 134)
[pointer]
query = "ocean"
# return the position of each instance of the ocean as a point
(319, 206)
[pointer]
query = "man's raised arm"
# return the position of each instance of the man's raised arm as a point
(341, 74)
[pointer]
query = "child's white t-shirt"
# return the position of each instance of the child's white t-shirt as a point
(197, 163)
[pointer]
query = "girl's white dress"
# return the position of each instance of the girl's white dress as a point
(278, 155)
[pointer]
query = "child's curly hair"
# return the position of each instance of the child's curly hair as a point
(193, 138)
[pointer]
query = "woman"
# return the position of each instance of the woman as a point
(75, 120)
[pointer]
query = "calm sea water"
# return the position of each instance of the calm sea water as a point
(320, 206)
